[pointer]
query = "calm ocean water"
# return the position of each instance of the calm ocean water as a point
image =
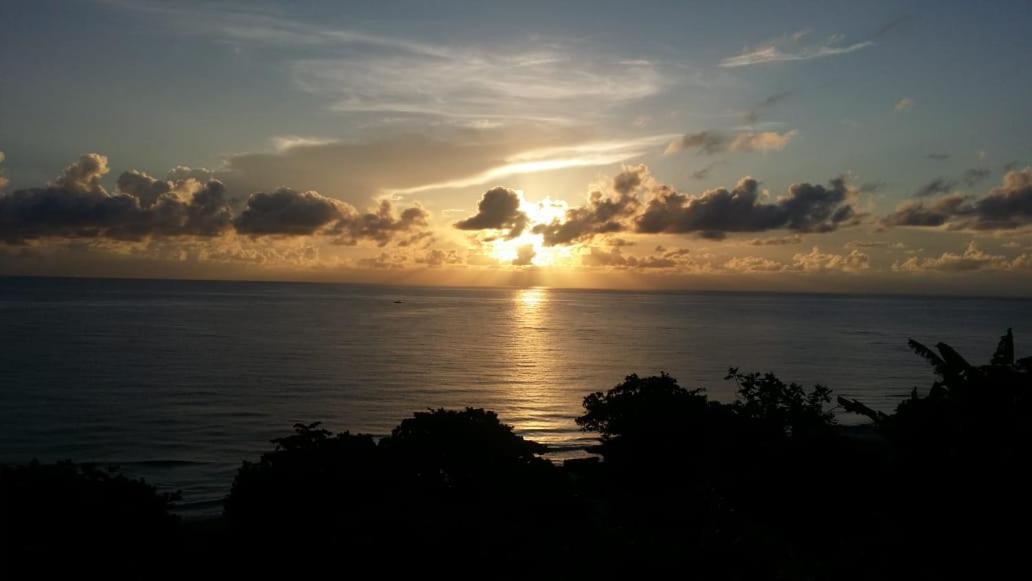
(180, 381)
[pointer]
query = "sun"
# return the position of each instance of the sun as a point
(528, 249)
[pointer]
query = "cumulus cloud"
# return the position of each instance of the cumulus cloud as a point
(817, 261)
(1006, 207)
(381, 225)
(663, 259)
(602, 214)
(287, 212)
(805, 208)
(973, 258)
(436, 258)
(711, 142)
(524, 255)
(498, 209)
(753, 264)
(76, 205)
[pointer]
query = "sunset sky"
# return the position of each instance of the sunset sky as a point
(809, 146)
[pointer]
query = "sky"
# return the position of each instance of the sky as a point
(798, 146)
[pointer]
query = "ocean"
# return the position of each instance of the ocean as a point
(180, 381)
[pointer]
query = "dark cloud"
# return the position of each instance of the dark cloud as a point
(711, 142)
(753, 115)
(970, 178)
(1003, 208)
(630, 179)
(707, 142)
(76, 205)
(703, 172)
(603, 214)
(938, 156)
(287, 212)
(777, 241)
(382, 225)
(524, 255)
(975, 176)
(616, 259)
(806, 208)
(935, 187)
(498, 209)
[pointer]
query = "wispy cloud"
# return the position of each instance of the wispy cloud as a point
(365, 72)
(793, 47)
(711, 142)
(587, 154)
(904, 104)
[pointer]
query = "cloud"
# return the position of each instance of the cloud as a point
(938, 156)
(498, 209)
(76, 205)
(753, 264)
(436, 258)
(287, 212)
(805, 208)
(359, 71)
(793, 47)
(935, 187)
(603, 213)
(598, 257)
(712, 142)
(777, 241)
(874, 244)
(817, 261)
(703, 172)
(762, 141)
(1006, 207)
(753, 115)
(3, 180)
(524, 255)
(971, 259)
(381, 225)
(903, 104)
(970, 178)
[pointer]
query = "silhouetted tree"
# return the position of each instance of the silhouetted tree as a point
(959, 460)
(64, 518)
(460, 448)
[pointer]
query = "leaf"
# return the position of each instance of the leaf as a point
(855, 407)
(928, 355)
(1004, 354)
(954, 362)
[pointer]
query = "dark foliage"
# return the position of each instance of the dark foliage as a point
(959, 460)
(445, 483)
(65, 517)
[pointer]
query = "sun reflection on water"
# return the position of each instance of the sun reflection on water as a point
(536, 405)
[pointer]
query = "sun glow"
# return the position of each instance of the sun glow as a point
(528, 249)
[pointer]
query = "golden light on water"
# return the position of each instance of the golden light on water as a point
(530, 299)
